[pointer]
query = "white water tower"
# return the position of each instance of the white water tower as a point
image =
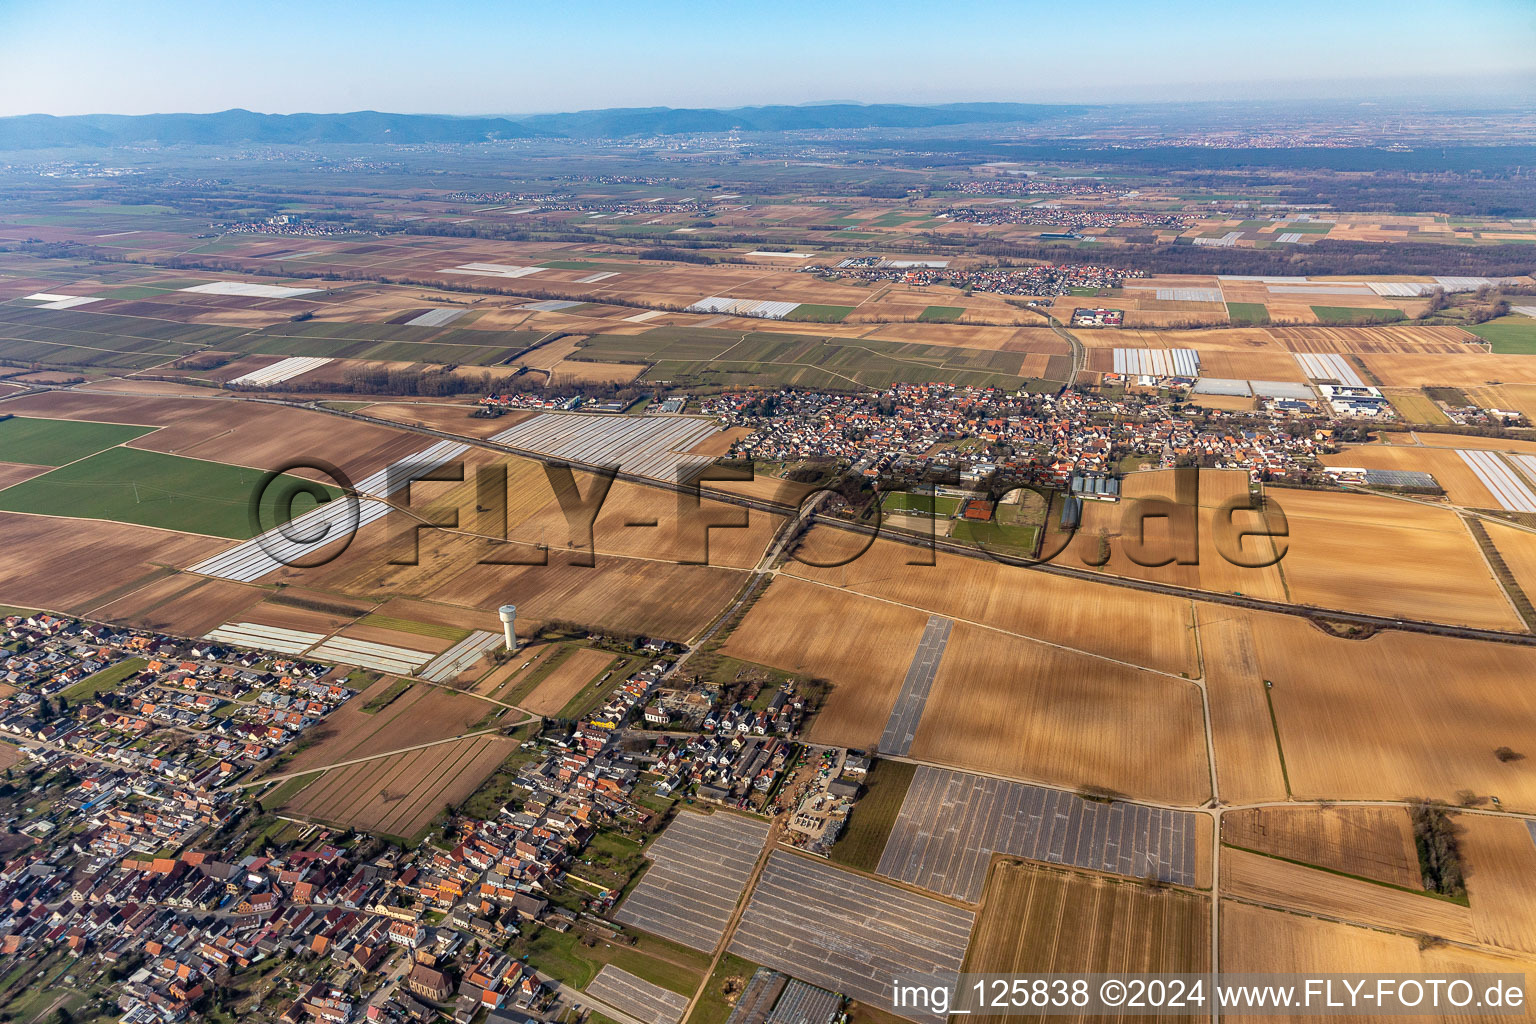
(509, 625)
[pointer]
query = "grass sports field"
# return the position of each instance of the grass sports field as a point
(1509, 335)
(39, 442)
(128, 485)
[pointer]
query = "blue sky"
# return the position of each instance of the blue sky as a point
(86, 56)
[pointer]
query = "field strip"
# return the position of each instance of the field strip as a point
(907, 712)
(999, 629)
(459, 657)
(442, 781)
(252, 559)
(359, 760)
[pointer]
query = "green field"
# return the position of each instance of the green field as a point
(920, 503)
(152, 489)
(1346, 315)
(1248, 314)
(701, 358)
(810, 312)
(874, 814)
(39, 442)
(994, 536)
(1509, 335)
(70, 337)
(941, 314)
(106, 679)
(453, 634)
(388, 342)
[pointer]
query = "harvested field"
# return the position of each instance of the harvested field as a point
(1257, 940)
(1346, 552)
(653, 598)
(1016, 707)
(122, 558)
(235, 433)
(1248, 765)
(1518, 549)
(1136, 531)
(1143, 629)
(1372, 842)
(401, 794)
(422, 714)
(848, 933)
(1450, 471)
(1419, 370)
(15, 473)
(865, 657)
(1286, 886)
(1472, 441)
(1332, 697)
(323, 613)
(501, 683)
(1048, 920)
(568, 679)
(700, 867)
(454, 418)
(182, 604)
(951, 824)
(1499, 858)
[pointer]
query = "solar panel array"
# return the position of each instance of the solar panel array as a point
(653, 446)
(328, 523)
(1328, 366)
(1157, 362)
(742, 307)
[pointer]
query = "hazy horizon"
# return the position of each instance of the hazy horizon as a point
(483, 59)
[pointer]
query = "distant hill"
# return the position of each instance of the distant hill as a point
(37, 131)
(40, 131)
